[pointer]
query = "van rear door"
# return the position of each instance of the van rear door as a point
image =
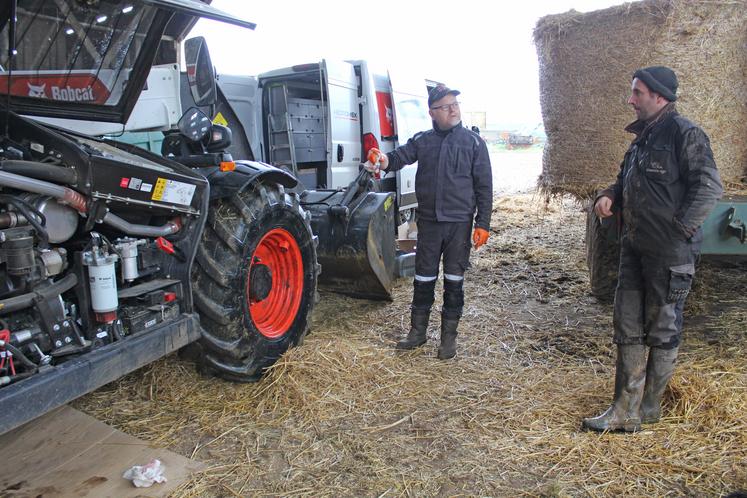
(344, 141)
(410, 105)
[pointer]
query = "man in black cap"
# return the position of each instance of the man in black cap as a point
(454, 189)
(667, 185)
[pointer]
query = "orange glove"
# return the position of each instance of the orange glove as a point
(373, 155)
(372, 164)
(479, 237)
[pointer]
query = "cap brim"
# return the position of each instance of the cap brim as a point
(436, 98)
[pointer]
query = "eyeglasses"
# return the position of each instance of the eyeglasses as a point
(446, 107)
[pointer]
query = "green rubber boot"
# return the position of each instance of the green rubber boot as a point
(659, 371)
(630, 377)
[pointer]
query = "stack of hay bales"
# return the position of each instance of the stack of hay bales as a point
(586, 66)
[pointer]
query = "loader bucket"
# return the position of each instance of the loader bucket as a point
(357, 246)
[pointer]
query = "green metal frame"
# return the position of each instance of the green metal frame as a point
(725, 230)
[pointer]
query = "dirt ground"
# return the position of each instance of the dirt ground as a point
(347, 415)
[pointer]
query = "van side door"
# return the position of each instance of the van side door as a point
(344, 139)
(410, 105)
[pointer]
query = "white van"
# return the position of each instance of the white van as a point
(319, 120)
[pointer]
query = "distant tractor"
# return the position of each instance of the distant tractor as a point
(517, 141)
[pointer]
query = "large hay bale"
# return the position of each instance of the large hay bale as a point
(586, 64)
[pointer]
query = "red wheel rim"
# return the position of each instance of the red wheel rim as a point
(274, 314)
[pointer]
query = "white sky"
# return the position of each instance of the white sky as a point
(482, 48)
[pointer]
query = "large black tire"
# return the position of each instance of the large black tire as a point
(602, 254)
(248, 322)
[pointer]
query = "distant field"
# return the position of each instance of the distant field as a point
(504, 148)
(515, 170)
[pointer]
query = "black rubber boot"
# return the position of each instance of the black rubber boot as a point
(659, 371)
(630, 377)
(450, 314)
(423, 295)
(418, 329)
(448, 346)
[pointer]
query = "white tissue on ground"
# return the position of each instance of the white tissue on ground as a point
(143, 476)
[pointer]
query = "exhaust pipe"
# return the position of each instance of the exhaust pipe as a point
(79, 202)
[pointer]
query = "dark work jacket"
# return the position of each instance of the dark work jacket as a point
(454, 178)
(667, 185)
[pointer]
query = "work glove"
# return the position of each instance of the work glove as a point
(479, 237)
(376, 162)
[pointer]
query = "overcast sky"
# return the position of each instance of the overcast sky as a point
(486, 52)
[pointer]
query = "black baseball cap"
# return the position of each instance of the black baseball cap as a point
(440, 91)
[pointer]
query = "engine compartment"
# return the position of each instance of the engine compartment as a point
(96, 244)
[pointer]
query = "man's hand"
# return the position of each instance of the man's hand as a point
(479, 237)
(377, 161)
(603, 207)
(687, 231)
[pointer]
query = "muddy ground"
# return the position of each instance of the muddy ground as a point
(347, 415)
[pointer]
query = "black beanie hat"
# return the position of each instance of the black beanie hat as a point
(659, 79)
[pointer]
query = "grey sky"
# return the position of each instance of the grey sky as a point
(483, 49)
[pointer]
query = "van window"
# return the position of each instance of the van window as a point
(412, 116)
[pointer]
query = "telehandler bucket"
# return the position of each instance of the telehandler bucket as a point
(357, 243)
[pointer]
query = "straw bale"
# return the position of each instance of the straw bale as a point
(586, 64)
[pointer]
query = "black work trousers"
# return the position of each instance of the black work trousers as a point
(651, 292)
(452, 242)
(436, 239)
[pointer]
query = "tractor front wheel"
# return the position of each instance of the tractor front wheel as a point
(254, 280)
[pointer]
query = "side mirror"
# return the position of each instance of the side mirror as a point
(194, 124)
(200, 71)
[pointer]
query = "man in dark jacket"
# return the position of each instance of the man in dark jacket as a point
(667, 185)
(453, 182)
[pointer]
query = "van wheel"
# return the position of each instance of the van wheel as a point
(254, 280)
(407, 216)
(602, 254)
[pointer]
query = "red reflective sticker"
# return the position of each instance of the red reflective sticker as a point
(124, 182)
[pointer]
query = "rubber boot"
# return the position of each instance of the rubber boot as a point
(448, 346)
(659, 371)
(630, 377)
(418, 328)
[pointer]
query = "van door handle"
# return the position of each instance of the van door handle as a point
(340, 153)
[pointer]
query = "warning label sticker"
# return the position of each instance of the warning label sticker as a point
(173, 192)
(219, 119)
(135, 183)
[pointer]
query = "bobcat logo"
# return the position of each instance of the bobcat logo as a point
(38, 91)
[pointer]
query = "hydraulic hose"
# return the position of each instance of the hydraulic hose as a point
(115, 221)
(27, 300)
(35, 219)
(41, 171)
(17, 353)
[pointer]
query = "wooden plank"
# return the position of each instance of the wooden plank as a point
(69, 453)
